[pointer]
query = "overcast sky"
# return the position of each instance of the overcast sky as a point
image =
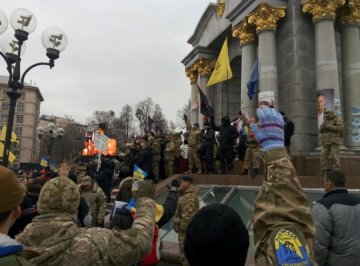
(119, 52)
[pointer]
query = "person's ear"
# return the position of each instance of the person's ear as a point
(17, 212)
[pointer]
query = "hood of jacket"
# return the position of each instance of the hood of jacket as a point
(48, 238)
(192, 189)
(225, 121)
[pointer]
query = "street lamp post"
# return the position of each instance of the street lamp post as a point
(53, 133)
(54, 40)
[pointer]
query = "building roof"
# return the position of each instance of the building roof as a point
(4, 81)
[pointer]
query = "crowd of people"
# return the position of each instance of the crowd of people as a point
(64, 218)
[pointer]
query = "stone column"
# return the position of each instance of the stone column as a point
(204, 68)
(323, 14)
(247, 36)
(194, 109)
(350, 19)
(265, 19)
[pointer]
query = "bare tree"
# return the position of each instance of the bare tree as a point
(68, 147)
(143, 110)
(99, 117)
(158, 117)
(126, 120)
(185, 110)
(172, 126)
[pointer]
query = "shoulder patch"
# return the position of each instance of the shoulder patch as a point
(289, 250)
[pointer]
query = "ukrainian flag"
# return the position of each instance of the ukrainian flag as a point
(139, 173)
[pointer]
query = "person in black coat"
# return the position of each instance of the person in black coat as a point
(104, 176)
(227, 137)
(129, 158)
(144, 159)
(288, 131)
(208, 148)
(125, 185)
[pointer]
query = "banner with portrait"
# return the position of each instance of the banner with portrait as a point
(324, 101)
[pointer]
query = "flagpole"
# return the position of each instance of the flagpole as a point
(227, 92)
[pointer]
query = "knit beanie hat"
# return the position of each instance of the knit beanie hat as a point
(216, 236)
(59, 195)
(11, 191)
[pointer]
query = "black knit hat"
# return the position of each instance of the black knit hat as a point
(216, 236)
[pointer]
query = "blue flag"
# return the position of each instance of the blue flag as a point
(254, 80)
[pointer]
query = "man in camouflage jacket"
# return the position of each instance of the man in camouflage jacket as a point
(195, 143)
(155, 152)
(95, 199)
(169, 156)
(332, 130)
(282, 223)
(188, 205)
(54, 239)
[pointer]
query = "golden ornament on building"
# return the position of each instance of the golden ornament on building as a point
(265, 17)
(220, 8)
(351, 13)
(244, 32)
(320, 9)
(192, 74)
(204, 66)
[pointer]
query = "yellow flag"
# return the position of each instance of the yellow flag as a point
(11, 158)
(222, 70)
(3, 135)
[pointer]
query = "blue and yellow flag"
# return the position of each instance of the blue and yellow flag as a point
(44, 161)
(222, 70)
(139, 173)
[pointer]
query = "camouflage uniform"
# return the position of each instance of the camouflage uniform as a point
(169, 158)
(252, 154)
(194, 141)
(331, 133)
(155, 151)
(281, 204)
(80, 172)
(95, 199)
(54, 239)
(187, 206)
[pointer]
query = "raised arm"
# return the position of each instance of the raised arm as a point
(281, 202)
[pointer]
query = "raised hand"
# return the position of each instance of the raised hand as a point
(269, 132)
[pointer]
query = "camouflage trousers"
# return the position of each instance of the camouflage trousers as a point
(155, 169)
(182, 258)
(169, 168)
(252, 158)
(326, 150)
(194, 160)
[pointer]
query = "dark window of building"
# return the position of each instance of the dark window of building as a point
(18, 131)
(20, 107)
(5, 106)
(22, 97)
(3, 118)
(5, 96)
(19, 119)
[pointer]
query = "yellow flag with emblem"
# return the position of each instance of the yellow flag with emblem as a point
(3, 135)
(222, 70)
